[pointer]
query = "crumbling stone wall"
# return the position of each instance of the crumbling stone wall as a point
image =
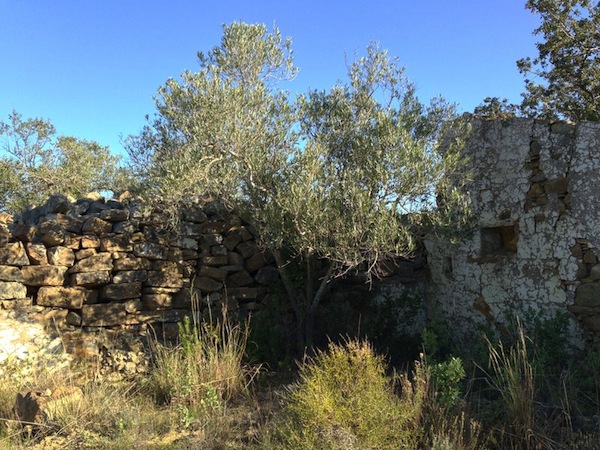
(536, 198)
(95, 264)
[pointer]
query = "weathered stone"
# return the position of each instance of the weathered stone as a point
(90, 241)
(97, 226)
(267, 275)
(589, 257)
(167, 279)
(235, 259)
(122, 291)
(130, 276)
(61, 256)
(37, 253)
(73, 319)
(95, 263)
(150, 251)
(557, 186)
(134, 305)
(186, 242)
(119, 243)
(233, 238)
(44, 275)
(85, 253)
(129, 262)
(24, 232)
(257, 261)
(16, 303)
(213, 227)
(12, 290)
(194, 214)
(595, 272)
(213, 272)
(128, 227)
(231, 268)
(51, 233)
(160, 290)
(174, 254)
(206, 284)
(157, 301)
(218, 250)
(90, 279)
(588, 294)
(247, 249)
(72, 241)
(215, 260)
(104, 314)
(114, 215)
(190, 229)
(10, 273)
(65, 297)
(13, 254)
(239, 279)
(242, 293)
(211, 239)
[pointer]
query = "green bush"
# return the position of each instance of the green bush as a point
(344, 399)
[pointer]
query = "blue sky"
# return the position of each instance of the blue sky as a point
(93, 67)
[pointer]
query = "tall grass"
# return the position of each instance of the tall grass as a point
(205, 369)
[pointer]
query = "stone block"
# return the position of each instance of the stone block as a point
(186, 243)
(114, 215)
(123, 291)
(65, 297)
(218, 250)
(194, 214)
(90, 241)
(90, 279)
(95, 263)
(11, 273)
(119, 243)
(247, 249)
(215, 260)
(12, 290)
(211, 239)
(61, 256)
(232, 239)
(97, 226)
(235, 259)
(157, 301)
(13, 254)
(24, 232)
(37, 253)
(85, 253)
(104, 314)
(215, 273)
(213, 227)
(588, 294)
(267, 275)
(130, 262)
(206, 284)
(257, 261)
(130, 276)
(44, 275)
(242, 293)
(239, 279)
(150, 251)
(160, 278)
(51, 233)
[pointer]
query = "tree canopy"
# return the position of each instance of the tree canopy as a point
(36, 164)
(563, 80)
(338, 180)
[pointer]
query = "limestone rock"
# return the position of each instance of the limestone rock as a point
(129, 276)
(61, 256)
(12, 290)
(13, 254)
(65, 297)
(150, 251)
(90, 279)
(10, 273)
(97, 226)
(38, 255)
(95, 263)
(122, 291)
(44, 275)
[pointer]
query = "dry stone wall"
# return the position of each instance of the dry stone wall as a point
(535, 247)
(95, 264)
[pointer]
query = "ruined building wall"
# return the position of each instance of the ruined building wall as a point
(95, 264)
(536, 197)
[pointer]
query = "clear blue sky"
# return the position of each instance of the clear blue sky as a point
(93, 67)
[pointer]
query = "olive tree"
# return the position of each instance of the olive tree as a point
(335, 181)
(563, 80)
(36, 164)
